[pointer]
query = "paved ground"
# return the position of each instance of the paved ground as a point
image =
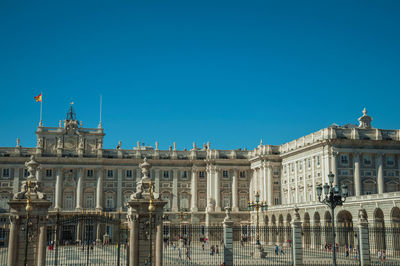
(107, 255)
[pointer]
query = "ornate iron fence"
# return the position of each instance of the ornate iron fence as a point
(87, 239)
(275, 243)
(193, 245)
(384, 245)
(318, 246)
(4, 236)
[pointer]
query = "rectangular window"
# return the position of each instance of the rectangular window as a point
(49, 173)
(390, 173)
(6, 172)
(309, 163)
(389, 160)
(284, 169)
(184, 175)
(225, 174)
(201, 174)
(300, 165)
(110, 173)
(129, 173)
(344, 159)
(318, 161)
(90, 173)
(26, 173)
(344, 172)
(242, 174)
(276, 171)
(276, 200)
(368, 173)
(292, 167)
(367, 160)
(165, 174)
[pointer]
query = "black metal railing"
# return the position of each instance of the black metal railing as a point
(275, 242)
(87, 239)
(318, 246)
(384, 245)
(193, 245)
(4, 238)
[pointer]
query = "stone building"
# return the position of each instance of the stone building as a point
(77, 173)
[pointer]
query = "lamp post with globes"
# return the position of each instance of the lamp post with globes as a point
(333, 196)
(257, 206)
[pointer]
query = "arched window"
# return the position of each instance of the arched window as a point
(110, 201)
(166, 197)
(89, 201)
(184, 201)
(4, 198)
(69, 201)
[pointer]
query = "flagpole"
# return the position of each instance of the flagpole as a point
(41, 108)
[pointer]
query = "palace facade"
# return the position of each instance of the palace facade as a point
(77, 173)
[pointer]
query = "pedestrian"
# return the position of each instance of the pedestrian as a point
(383, 256)
(379, 254)
(179, 253)
(355, 254)
(202, 246)
(281, 248)
(217, 250)
(188, 253)
(174, 245)
(276, 249)
(212, 250)
(347, 251)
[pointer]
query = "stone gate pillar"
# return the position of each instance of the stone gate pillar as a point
(363, 238)
(297, 240)
(28, 217)
(228, 238)
(145, 234)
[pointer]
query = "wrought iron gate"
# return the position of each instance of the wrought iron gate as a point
(87, 238)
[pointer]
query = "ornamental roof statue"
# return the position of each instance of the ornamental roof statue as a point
(365, 120)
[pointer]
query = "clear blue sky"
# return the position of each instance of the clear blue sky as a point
(228, 72)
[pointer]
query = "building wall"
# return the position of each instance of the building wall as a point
(78, 173)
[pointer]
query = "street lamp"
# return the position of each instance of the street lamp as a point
(257, 205)
(332, 197)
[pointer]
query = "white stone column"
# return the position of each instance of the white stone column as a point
(326, 163)
(334, 167)
(265, 181)
(157, 180)
(217, 192)
(270, 185)
(119, 189)
(296, 164)
(313, 178)
(357, 181)
(289, 171)
(209, 188)
(193, 201)
(263, 184)
(255, 181)
(79, 189)
(16, 180)
(58, 190)
(251, 187)
(99, 190)
(380, 179)
(304, 180)
(175, 191)
(235, 198)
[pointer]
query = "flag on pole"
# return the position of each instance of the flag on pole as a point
(38, 98)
